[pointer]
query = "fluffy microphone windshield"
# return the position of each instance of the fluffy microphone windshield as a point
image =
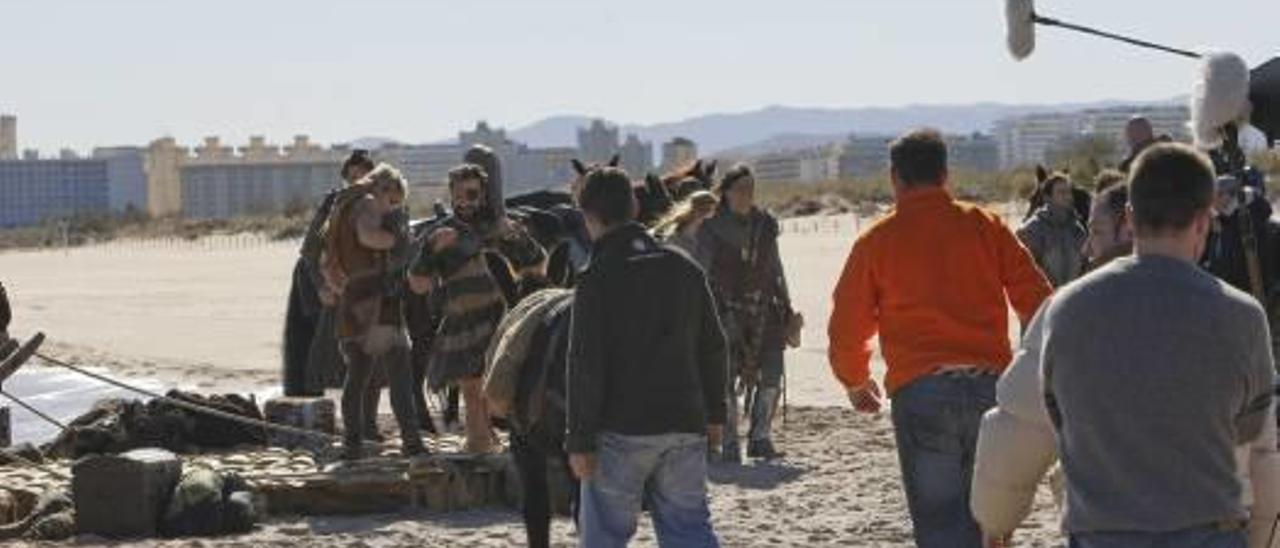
(1021, 27)
(1220, 96)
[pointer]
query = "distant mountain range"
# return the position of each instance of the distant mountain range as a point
(774, 128)
(779, 127)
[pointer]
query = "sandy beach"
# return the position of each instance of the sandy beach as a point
(207, 316)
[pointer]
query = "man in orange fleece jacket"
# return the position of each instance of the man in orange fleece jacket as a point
(934, 278)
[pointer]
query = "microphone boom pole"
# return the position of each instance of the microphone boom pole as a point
(1051, 22)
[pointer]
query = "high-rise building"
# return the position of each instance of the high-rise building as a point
(219, 182)
(598, 142)
(677, 153)
(126, 177)
(35, 190)
(422, 165)
(484, 135)
(539, 168)
(976, 152)
(1170, 120)
(523, 168)
(809, 165)
(8, 137)
(164, 177)
(1026, 140)
(636, 156)
(863, 156)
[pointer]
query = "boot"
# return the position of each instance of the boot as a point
(731, 452)
(370, 431)
(372, 398)
(452, 423)
(399, 375)
(760, 443)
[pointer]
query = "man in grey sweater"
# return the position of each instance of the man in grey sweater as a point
(1154, 371)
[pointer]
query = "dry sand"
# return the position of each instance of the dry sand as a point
(208, 315)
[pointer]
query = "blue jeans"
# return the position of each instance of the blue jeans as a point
(1199, 537)
(935, 423)
(668, 471)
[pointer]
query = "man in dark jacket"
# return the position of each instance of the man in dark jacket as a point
(646, 374)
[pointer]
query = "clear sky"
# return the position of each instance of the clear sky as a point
(98, 72)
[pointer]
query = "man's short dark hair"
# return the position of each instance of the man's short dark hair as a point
(606, 194)
(919, 158)
(359, 158)
(1169, 185)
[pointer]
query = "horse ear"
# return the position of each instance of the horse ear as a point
(1041, 174)
(613, 162)
(710, 172)
(697, 167)
(559, 266)
(661, 195)
(578, 167)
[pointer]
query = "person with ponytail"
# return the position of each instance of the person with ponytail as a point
(680, 227)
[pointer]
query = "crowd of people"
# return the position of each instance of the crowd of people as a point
(687, 357)
(1145, 368)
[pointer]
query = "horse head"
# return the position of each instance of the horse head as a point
(691, 178)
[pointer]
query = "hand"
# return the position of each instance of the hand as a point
(866, 398)
(583, 465)
(420, 285)
(795, 326)
(327, 296)
(507, 227)
(442, 238)
(989, 541)
(715, 435)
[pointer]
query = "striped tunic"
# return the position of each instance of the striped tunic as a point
(473, 301)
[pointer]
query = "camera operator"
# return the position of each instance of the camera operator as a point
(1239, 247)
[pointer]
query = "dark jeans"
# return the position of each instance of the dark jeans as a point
(360, 369)
(935, 423)
(1199, 537)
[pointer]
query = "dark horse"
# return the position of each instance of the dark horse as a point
(691, 178)
(538, 432)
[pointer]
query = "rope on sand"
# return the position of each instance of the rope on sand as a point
(15, 457)
(34, 411)
(326, 437)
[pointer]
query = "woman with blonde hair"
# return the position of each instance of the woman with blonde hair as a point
(680, 227)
